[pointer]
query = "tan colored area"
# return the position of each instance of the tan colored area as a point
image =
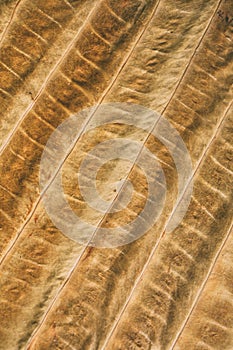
(162, 291)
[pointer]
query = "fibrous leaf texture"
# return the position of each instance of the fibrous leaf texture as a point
(164, 290)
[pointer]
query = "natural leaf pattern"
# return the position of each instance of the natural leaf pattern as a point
(163, 291)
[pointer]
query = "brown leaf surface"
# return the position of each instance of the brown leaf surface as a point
(162, 291)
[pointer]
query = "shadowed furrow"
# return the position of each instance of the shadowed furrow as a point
(210, 324)
(81, 338)
(61, 98)
(36, 39)
(49, 112)
(158, 54)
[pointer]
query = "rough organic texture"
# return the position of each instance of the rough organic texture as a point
(164, 290)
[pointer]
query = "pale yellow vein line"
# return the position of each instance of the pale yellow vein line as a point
(11, 246)
(109, 88)
(79, 258)
(34, 207)
(43, 86)
(4, 33)
(198, 296)
(171, 98)
(83, 250)
(162, 233)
